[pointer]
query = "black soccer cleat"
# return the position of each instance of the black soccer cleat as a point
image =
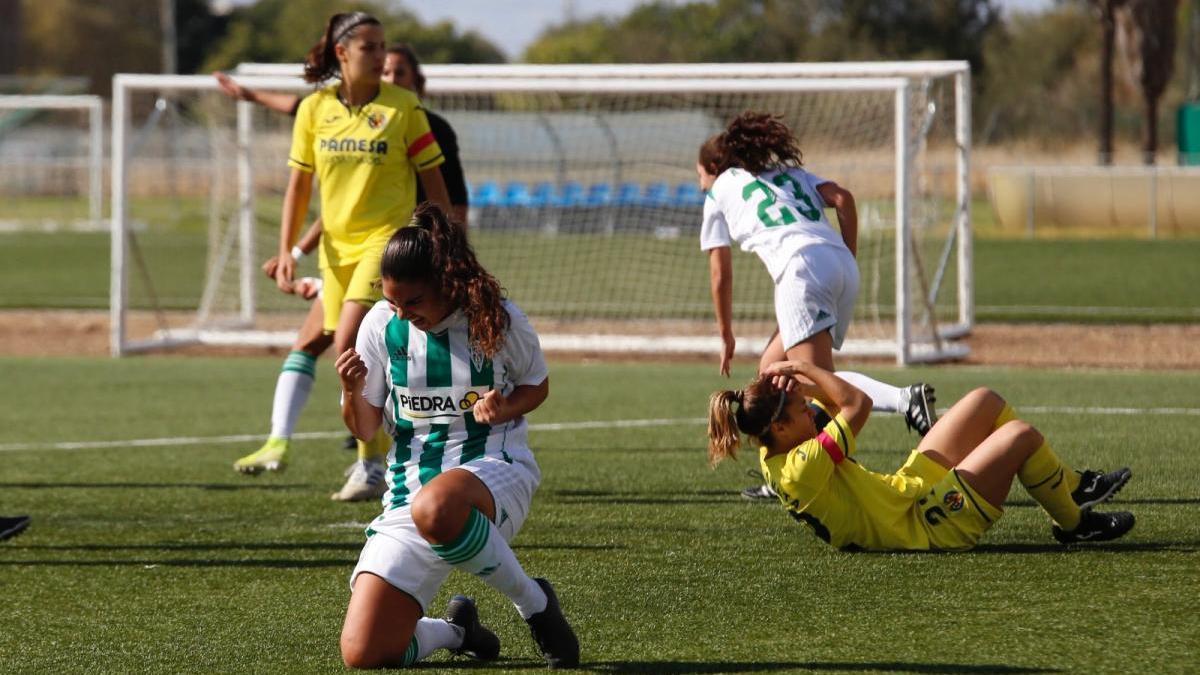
(552, 633)
(12, 526)
(1096, 487)
(1095, 526)
(478, 642)
(919, 413)
(759, 492)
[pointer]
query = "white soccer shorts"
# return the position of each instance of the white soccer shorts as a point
(401, 556)
(817, 292)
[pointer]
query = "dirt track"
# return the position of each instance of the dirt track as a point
(1163, 347)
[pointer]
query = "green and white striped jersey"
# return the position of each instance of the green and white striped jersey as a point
(427, 383)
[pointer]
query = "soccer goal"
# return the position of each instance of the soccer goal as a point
(583, 200)
(51, 163)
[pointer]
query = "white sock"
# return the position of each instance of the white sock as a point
(884, 397)
(431, 635)
(482, 551)
(292, 388)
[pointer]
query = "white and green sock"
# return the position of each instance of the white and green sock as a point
(884, 397)
(481, 550)
(430, 635)
(292, 388)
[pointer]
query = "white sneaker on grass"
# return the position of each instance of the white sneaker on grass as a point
(364, 482)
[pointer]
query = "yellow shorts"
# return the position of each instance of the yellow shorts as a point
(357, 282)
(951, 512)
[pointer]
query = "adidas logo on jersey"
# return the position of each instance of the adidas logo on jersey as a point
(401, 354)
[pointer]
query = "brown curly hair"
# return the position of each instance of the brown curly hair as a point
(435, 250)
(753, 141)
(758, 405)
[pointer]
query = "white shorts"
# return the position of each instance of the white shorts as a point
(816, 292)
(398, 553)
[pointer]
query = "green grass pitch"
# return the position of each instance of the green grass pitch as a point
(1107, 280)
(158, 558)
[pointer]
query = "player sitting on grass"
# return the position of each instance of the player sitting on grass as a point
(948, 493)
(759, 196)
(450, 368)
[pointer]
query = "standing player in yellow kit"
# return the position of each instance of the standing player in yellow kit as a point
(368, 142)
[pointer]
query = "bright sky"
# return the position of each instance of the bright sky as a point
(513, 25)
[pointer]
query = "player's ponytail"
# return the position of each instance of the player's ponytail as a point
(753, 141)
(435, 250)
(757, 406)
(321, 62)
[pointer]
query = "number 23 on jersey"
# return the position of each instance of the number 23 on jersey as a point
(786, 213)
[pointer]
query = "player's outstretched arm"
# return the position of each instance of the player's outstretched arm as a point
(720, 275)
(842, 202)
(273, 100)
(361, 418)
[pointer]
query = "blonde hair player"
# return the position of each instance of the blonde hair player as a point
(758, 196)
(368, 141)
(450, 368)
(948, 493)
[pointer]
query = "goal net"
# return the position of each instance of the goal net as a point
(51, 159)
(583, 200)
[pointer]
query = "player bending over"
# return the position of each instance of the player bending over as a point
(450, 368)
(758, 196)
(948, 493)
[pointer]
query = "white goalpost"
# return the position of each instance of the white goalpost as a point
(51, 162)
(581, 199)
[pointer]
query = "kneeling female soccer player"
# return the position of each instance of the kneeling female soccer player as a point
(451, 368)
(948, 493)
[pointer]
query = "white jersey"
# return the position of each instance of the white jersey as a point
(427, 383)
(773, 215)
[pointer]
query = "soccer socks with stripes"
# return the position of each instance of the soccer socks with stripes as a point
(292, 388)
(377, 449)
(884, 397)
(430, 635)
(1045, 478)
(1007, 415)
(481, 550)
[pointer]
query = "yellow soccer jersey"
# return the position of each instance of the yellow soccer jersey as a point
(844, 504)
(366, 161)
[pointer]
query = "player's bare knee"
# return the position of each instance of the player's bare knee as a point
(984, 398)
(1024, 435)
(314, 346)
(435, 517)
(357, 652)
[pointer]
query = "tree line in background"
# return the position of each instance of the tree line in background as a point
(1078, 68)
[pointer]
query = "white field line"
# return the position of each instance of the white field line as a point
(548, 426)
(318, 435)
